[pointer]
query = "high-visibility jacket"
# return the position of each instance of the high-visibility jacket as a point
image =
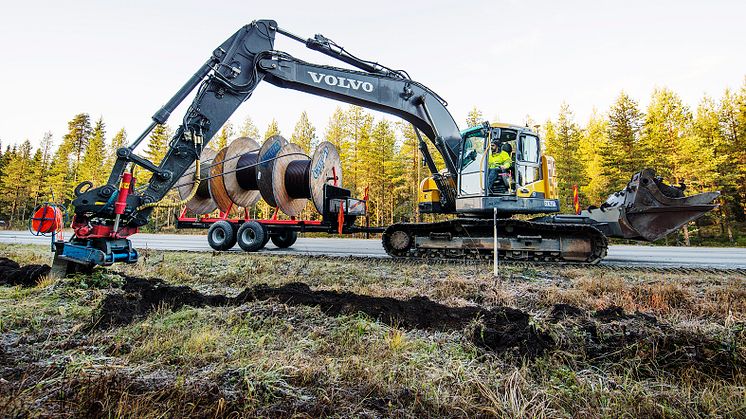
(500, 160)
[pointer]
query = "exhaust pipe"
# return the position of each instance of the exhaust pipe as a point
(648, 209)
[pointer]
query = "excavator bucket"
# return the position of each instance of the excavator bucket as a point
(648, 209)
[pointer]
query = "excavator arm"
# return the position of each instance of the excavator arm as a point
(106, 215)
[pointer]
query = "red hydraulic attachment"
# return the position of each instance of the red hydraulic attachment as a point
(83, 229)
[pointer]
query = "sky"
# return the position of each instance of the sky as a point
(122, 60)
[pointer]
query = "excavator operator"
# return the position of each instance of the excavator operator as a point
(499, 162)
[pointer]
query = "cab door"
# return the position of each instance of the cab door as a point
(472, 163)
(528, 160)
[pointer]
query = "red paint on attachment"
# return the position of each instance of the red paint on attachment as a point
(124, 190)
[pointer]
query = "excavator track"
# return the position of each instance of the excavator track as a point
(467, 238)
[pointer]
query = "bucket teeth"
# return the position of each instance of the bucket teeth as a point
(649, 209)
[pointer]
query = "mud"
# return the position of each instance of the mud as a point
(142, 296)
(608, 335)
(11, 273)
(498, 329)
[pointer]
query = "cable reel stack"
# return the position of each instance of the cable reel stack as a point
(278, 171)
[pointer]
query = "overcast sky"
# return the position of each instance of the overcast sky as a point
(123, 59)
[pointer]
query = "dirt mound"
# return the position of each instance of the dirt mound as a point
(498, 329)
(11, 273)
(608, 335)
(141, 296)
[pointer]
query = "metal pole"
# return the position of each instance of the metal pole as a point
(494, 242)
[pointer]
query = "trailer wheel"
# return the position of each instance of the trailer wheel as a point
(251, 236)
(285, 239)
(221, 235)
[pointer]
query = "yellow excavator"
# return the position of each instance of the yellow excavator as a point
(647, 209)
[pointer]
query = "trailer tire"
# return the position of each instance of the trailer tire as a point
(285, 239)
(251, 236)
(221, 235)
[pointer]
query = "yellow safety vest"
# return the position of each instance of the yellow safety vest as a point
(500, 160)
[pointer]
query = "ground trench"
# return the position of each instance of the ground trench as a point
(608, 335)
(605, 336)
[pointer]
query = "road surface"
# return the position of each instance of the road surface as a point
(659, 256)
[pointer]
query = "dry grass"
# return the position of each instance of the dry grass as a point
(270, 359)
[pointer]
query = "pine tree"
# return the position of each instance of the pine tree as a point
(223, 138)
(356, 157)
(16, 182)
(304, 134)
(272, 129)
(94, 158)
(620, 156)
(474, 117)
(119, 141)
(593, 139)
(666, 142)
(563, 143)
(411, 172)
(248, 129)
(158, 144)
(335, 130)
(733, 128)
(76, 141)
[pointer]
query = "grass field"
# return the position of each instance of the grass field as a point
(232, 335)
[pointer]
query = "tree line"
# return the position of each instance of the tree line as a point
(704, 148)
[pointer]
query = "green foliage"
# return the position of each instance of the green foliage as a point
(94, 159)
(562, 142)
(223, 138)
(621, 156)
(272, 129)
(248, 129)
(704, 147)
(304, 134)
(474, 117)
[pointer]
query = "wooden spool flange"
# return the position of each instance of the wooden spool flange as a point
(225, 187)
(202, 202)
(267, 153)
(326, 168)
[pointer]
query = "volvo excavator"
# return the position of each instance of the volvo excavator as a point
(105, 216)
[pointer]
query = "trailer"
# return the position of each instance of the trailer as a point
(338, 218)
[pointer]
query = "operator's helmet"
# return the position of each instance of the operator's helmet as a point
(507, 148)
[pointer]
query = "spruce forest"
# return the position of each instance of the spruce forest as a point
(703, 147)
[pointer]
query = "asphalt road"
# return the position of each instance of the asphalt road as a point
(660, 256)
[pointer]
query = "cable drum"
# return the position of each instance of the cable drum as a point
(239, 172)
(291, 155)
(267, 162)
(217, 184)
(202, 202)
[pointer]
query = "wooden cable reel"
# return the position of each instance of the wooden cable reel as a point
(267, 158)
(278, 171)
(296, 178)
(202, 202)
(234, 171)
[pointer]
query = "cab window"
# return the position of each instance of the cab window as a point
(529, 149)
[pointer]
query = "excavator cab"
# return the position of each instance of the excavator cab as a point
(528, 186)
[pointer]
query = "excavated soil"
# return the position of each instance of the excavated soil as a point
(497, 329)
(11, 273)
(608, 335)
